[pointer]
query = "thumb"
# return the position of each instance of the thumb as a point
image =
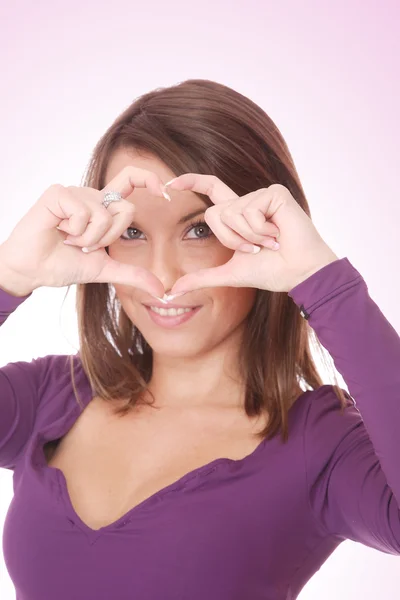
(113, 271)
(215, 277)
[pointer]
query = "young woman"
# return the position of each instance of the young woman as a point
(190, 449)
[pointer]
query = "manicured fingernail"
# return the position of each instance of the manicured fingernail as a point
(161, 299)
(271, 243)
(87, 249)
(172, 296)
(166, 196)
(68, 243)
(171, 181)
(249, 248)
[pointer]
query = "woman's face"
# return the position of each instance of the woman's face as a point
(169, 242)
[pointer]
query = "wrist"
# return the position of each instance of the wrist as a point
(330, 258)
(12, 283)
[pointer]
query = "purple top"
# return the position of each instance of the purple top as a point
(256, 528)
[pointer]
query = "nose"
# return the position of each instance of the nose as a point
(165, 263)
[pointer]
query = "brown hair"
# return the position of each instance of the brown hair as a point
(203, 127)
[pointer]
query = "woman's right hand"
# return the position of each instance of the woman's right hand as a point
(35, 254)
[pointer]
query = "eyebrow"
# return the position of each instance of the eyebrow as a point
(191, 215)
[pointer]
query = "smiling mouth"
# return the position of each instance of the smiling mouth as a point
(171, 317)
(170, 312)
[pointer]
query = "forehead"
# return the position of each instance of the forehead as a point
(136, 158)
(145, 202)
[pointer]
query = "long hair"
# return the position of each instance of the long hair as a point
(203, 127)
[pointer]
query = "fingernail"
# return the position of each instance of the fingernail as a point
(87, 249)
(171, 181)
(69, 243)
(172, 296)
(271, 243)
(166, 196)
(161, 299)
(249, 248)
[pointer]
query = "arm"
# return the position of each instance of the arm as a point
(19, 383)
(352, 458)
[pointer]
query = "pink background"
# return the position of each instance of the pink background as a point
(326, 72)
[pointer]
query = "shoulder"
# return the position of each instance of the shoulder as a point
(56, 391)
(323, 409)
(327, 429)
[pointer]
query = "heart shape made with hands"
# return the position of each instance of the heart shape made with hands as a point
(248, 225)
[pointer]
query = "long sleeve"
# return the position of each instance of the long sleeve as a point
(352, 459)
(19, 384)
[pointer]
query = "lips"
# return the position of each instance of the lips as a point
(168, 305)
(171, 321)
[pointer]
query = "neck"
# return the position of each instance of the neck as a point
(210, 380)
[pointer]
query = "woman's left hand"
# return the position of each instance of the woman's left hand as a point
(237, 220)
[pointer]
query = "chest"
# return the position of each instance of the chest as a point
(112, 464)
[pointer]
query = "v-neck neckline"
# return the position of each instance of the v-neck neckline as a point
(53, 432)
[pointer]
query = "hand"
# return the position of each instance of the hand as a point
(34, 255)
(256, 218)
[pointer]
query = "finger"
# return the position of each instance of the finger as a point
(74, 214)
(104, 230)
(93, 238)
(225, 234)
(258, 222)
(251, 207)
(120, 223)
(239, 224)
(122, 211)
(269, 200)
(130, 177)
(98, 224)
(209, 185)
(113, 271)
(94, 227)
(206, 278)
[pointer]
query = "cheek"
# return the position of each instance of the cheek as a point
(232, 305)
(204, 257)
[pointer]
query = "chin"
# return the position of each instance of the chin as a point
(177, 349)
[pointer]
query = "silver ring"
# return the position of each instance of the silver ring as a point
(110, 196)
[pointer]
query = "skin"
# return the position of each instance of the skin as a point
(194, 365)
